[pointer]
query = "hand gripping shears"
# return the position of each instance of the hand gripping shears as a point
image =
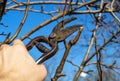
(58, 34)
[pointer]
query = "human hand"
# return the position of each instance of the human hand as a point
(17, 65)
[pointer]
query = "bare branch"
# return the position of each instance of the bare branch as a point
(20, 26)
(53, 19)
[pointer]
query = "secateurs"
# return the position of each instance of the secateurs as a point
(58, 34)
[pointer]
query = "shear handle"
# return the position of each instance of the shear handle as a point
(46, 52)
(48, 55)
(39, 46)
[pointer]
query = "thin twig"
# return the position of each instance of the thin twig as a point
(41, 2)
(90, 45)
(112, 11)
(102, 46)
(21, 24)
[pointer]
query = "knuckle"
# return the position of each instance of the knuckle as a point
(4, 46)
(19, 47)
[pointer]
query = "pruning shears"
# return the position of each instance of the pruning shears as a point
(57, 35)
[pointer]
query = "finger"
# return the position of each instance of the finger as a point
(4, 46)
(41, 66)
(42, 70)
(19, 45)
(18, 42)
